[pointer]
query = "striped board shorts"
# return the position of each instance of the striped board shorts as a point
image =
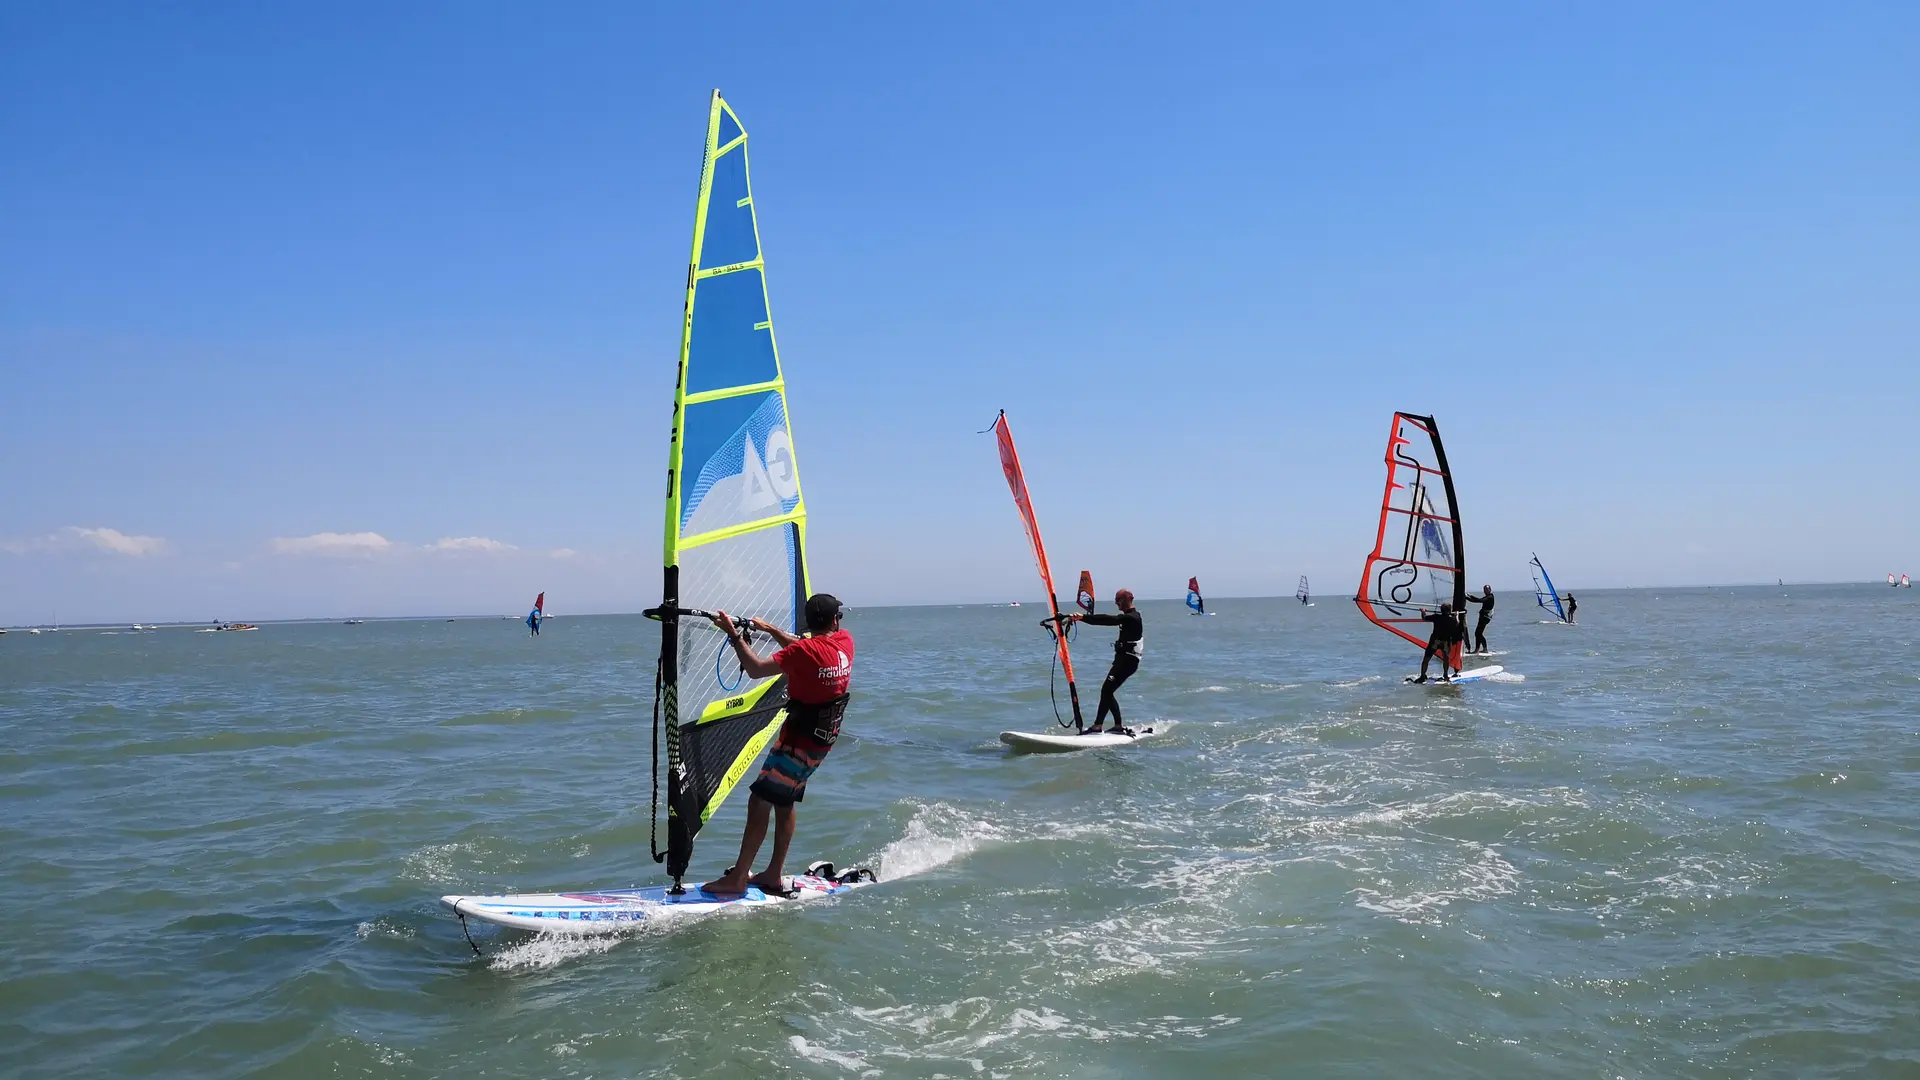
(803, 743)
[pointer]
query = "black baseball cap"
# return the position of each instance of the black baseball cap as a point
(821, 609)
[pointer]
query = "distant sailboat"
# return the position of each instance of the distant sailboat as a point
(1302, 594)
(1905, 583)
(1195, 602)
(1892, 584)
(1085, 596)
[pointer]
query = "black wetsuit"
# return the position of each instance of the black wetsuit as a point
(1126, 661)
(1480, 625)
(1572, 606)
(1447, 629)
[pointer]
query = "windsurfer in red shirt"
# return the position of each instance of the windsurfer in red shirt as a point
(819, 668)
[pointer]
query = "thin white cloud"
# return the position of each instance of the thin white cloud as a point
(562, 553)
(79, 538)
(115, 541)
(469, 543)
(332, 543)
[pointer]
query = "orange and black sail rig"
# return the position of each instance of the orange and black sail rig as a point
(1418, 561)
(1055, 623)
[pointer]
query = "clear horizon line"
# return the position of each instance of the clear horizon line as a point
(176, 624)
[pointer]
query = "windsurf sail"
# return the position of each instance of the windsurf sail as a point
(539, 609)
(1301, 594)
(1195, 601)
(1544, 593)
(736, 524)
(1890, 580)
(1022, 501)
(1418, 561)
(1085, 597)
(1905, 583)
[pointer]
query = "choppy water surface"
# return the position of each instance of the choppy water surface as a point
(1682, 846)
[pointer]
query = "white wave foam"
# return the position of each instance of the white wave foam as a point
(1358, 682)
(1507, 677)
(852, 1063)
(381, 928)
(1484, 876)
(978, 1035)
(936, 835)
(441, 864)
(547, 950)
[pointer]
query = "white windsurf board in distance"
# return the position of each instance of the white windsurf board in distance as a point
(1049, 743)
(1474, 675)
(605, 911)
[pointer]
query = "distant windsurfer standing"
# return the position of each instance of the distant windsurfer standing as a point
(1485, 600)
(819, 668)
(1447, 629)
(1572, 606)
(533, 624)
(1126, 658)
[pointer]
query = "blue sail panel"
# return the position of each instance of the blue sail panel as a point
(730, 237)
(732, 336)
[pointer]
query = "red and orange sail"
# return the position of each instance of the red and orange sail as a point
(1418, 561)
(1017, 481)
(1085, 597)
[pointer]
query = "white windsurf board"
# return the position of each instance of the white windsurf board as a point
(1050, 743)
(1471, 675)
(602, 911)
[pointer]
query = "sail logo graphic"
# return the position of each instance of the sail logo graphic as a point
(771, 479)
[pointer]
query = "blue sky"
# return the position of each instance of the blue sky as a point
(344, 309)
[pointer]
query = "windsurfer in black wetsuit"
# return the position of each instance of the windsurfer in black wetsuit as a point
(1126, 658)
(1447, 630)
(1485, 600)
(1572, 606)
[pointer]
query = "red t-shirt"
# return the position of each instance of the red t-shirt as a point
(818, 668)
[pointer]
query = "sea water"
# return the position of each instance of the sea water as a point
(1682, 845)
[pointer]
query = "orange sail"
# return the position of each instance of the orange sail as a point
(1016, 480)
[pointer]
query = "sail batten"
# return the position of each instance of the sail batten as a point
(1418, 560)
(735, 528)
